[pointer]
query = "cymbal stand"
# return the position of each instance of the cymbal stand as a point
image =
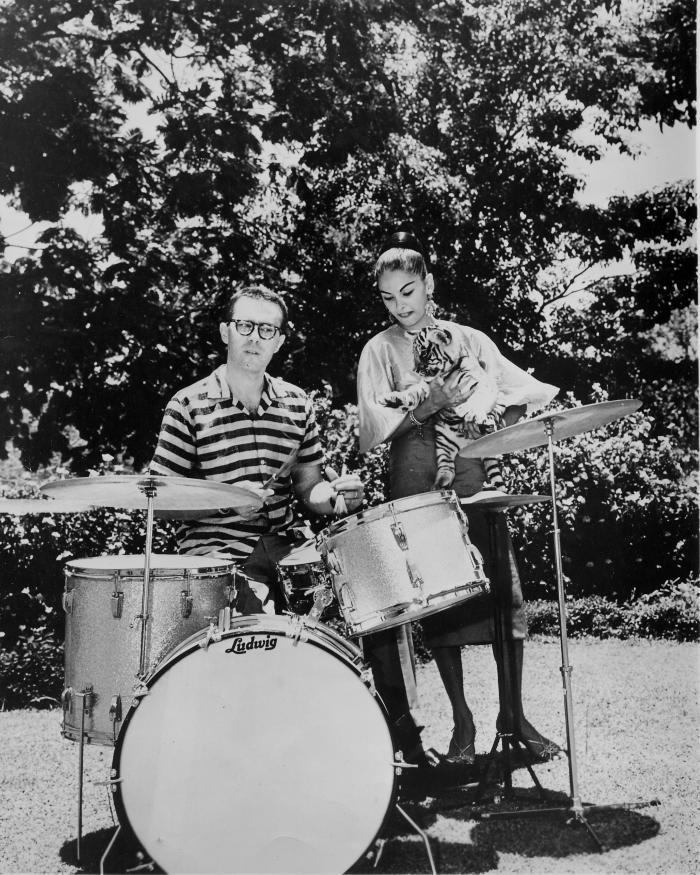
(576, 809)
(508, 739)
(150, 490)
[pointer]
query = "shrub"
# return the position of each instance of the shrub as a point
(672, 612)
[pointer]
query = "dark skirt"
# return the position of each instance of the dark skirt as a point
(412, 468)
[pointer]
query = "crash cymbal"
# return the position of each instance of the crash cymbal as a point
(169, 493)
(565, 424)
(22, 506)
(494, 499)
(305, 554)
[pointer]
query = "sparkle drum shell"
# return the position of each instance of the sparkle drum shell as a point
(256, 749)
(402, 561)
(102, 601)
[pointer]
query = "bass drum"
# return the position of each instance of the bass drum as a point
(256, 749)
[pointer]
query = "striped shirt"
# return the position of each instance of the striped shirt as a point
(207, 433)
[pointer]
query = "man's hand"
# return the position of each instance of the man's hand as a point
(348, 489)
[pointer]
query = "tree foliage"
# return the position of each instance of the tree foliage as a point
(219, 143)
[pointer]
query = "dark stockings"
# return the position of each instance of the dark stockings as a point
(449, 662)
(512, 717)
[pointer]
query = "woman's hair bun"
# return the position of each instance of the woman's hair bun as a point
(403, 238)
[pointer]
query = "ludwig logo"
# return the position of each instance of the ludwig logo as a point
(242, 644)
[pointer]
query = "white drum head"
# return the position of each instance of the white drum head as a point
(256, 755)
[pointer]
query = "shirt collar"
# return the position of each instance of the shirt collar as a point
(218, 388)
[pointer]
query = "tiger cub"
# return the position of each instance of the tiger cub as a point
(435, 353)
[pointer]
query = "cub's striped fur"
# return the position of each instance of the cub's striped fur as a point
(437, 355)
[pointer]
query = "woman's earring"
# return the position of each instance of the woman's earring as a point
(430, 307)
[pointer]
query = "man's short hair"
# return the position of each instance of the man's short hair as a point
(259, 293)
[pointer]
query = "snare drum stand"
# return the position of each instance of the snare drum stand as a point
(576, 810)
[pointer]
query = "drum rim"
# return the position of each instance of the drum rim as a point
(379, 511)
(119, 807)
(208, 563)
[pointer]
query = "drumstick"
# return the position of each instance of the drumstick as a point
(339, 505)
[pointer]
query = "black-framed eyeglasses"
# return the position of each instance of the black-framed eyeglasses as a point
(266, 331)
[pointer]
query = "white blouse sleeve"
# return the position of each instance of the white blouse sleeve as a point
(516, 386)
(374, 378)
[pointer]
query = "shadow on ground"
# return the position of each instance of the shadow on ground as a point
(124, 856)
(484, 832)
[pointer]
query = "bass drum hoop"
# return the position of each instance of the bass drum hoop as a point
(352, 658)
(169, 566)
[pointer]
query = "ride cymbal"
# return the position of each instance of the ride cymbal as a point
(565, 424)
(175, 494)
(23, 506)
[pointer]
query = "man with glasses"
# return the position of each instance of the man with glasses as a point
(240, 425)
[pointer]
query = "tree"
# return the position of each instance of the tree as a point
(282, 141)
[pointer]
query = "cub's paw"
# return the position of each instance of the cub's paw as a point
(444, 478)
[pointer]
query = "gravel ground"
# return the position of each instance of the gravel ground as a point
(636, 709)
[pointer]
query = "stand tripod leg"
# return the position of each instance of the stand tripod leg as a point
(423, 836)
(83, 696)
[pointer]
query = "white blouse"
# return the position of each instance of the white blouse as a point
(387, 360)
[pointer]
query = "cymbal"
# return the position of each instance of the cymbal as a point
(305, 554)
(176, 494)
(23, 506)
(494, 499)
(565, 424)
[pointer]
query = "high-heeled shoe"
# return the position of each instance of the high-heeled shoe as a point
(541, 749)
(458, 755)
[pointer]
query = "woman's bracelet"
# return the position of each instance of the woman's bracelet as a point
(416, 422)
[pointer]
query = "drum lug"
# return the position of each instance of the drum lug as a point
(115, 709)
(67, 699)
(399, 534)
(476, 557)
(88, 698)
(415, 578)
(213, 633)
(453, 502)
(333, 562)
(185, 603)
(367, 679)
(117, 604)
(298, 628)
(225, 619)
(345, 597)
(139, 692)
(68, 601)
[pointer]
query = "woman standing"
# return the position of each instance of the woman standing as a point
(406, 288)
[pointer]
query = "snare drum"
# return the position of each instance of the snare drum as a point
(102, 601)
(260, 748)
(302, 572)
(402, 561)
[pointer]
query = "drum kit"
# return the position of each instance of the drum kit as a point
(265, 728)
